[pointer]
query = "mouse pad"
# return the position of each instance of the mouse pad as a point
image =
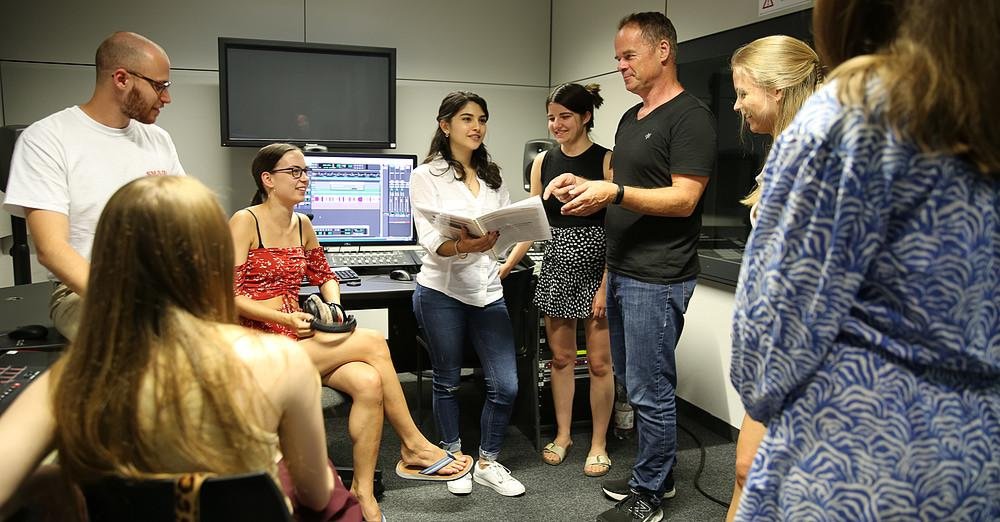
(53, 341)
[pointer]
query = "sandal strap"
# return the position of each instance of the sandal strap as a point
(558, 450)
(434, 468)
(594, 460)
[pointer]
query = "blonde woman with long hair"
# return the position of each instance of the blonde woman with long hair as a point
(773, 76)
(161, 379)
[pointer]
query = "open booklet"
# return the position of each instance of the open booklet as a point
(521, 221)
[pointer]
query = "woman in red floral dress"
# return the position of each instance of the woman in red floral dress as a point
(275, 248)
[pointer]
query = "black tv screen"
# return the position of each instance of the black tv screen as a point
(703, 68)
(305, 93)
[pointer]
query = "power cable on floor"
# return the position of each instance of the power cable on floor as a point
(701, 467)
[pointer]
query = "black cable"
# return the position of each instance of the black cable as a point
(701, 467)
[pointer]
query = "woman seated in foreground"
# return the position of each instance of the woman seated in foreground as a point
(275, 247)
(160, 379)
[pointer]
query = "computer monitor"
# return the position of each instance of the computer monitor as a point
(360, 199)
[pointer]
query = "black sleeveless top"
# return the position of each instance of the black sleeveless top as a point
(590, 165)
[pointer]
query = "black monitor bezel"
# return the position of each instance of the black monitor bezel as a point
(226, 44)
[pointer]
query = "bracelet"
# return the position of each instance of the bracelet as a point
(459, 252)
(620, 195)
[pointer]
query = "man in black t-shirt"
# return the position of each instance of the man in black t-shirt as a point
(664, 154)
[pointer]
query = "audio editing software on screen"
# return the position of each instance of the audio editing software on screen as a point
(359, 200)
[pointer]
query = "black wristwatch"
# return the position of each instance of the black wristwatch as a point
(620, 195)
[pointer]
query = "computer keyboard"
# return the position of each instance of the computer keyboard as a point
(13, 379)
(379, 258)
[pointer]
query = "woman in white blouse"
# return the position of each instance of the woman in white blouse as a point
(458, 299)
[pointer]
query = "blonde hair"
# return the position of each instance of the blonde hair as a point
(779, 62)
(938, 70)
(160, 285)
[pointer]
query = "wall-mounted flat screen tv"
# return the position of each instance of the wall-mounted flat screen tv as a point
(335, 96)
(703, 68)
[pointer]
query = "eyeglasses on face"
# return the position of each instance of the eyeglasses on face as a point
(158, 87)
(294, 172)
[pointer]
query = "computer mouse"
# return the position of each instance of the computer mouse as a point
(28, 332)
(400, 275)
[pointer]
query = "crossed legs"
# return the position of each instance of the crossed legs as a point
(359, 364)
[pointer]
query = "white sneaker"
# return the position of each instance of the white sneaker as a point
(461, 486)
(498, 477)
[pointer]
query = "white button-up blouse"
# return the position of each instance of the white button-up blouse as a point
(474, 280)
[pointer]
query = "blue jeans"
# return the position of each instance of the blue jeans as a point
(645, 321)
(448, 324)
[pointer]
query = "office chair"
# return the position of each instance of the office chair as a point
(20, 253)
(250, 496)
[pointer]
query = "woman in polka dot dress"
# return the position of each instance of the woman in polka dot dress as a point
(571, 284)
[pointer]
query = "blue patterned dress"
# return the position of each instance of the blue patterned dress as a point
(867, 327)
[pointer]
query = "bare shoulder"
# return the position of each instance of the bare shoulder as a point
(242, 217)
(242, 228)
(256, 347)
(269, 356)
(309, 234)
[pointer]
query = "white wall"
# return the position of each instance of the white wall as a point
(690, 20)
(583, 51)
(497, 49)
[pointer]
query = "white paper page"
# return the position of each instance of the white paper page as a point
(521, 221)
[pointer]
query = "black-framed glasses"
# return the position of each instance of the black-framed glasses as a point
(294, 172)
(158, 87)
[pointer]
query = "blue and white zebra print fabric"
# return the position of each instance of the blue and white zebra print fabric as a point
(867, 327)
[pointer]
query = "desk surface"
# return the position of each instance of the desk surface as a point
(27, 304)
(375, 291)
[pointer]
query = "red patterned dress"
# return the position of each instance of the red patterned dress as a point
(278, 271)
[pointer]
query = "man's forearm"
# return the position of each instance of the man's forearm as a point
(50, 232)
(66, 264)
(664, 201)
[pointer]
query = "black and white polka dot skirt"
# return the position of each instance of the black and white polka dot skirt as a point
(571, 272)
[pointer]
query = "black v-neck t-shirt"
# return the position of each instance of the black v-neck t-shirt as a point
(677, 137)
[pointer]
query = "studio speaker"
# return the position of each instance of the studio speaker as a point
(531, 149)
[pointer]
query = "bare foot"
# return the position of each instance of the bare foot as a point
(370, 509)
(551, 457)
(431, 454)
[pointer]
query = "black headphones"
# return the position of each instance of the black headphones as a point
(328, 317)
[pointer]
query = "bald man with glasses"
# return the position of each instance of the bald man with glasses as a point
(67, 165)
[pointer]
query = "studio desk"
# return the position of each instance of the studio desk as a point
(28, 304)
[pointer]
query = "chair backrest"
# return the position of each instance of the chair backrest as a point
(8, 136)
(19, 251)
(251, 496)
